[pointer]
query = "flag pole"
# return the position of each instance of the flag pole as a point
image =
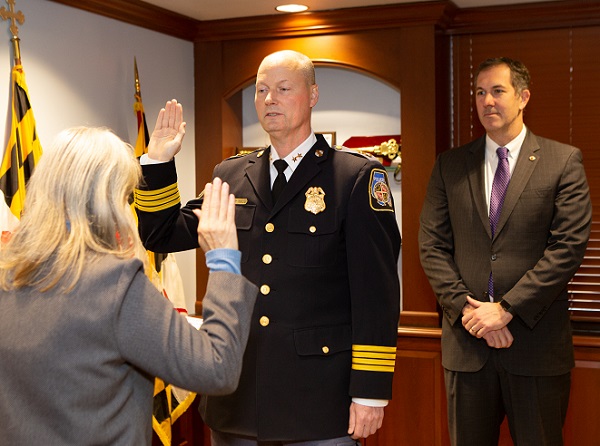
(17, 49)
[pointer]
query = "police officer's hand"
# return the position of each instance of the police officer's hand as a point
(364, 420)
(216, 219)
(165, 141)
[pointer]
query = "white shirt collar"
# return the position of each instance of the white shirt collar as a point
(294, 157)
(514, 147)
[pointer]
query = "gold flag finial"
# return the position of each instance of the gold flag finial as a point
(14, 30)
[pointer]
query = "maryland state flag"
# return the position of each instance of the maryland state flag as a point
(22, 154)
(169, 401)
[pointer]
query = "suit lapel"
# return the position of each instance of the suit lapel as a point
(475, 168)
(518, 180)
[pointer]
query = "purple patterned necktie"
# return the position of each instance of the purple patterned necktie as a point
(499, 186)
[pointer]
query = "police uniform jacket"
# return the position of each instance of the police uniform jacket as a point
(324, 257)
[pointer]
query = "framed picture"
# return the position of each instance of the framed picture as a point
(329, 137)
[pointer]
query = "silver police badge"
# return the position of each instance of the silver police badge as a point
(315, 200)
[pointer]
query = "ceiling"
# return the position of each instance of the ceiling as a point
(228, 9)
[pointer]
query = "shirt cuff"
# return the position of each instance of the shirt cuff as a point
(370, 402)
(145, 160)
(224, 259)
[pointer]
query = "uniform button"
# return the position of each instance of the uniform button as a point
(312, 229)
(267, 259)
(494, 257)
(264, 321)
(265, 289)
(325, 349)
(270, 227)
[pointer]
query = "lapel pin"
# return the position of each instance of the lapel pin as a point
(532, 158)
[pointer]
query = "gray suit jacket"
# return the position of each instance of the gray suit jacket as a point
(78, 368)
(539, 244)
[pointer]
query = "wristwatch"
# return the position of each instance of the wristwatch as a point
(504, 304)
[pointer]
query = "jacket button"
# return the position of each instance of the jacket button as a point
(494, 257)
(325, 349)
(269, 227)
(313, 229)
(267, 259)
(265, 289)
(264, 321)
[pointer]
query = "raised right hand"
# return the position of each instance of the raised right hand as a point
(165, 141)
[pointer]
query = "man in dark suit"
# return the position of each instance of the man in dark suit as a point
(502, 282)
(319, 237)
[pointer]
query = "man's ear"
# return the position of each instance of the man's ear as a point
(314, 95)
(525, 95)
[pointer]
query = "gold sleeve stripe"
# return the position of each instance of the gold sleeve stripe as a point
(168, 190)
(391, 356)
(371, 368)
(373, 358)
(374, 348)
(389, 363)
(157, 200)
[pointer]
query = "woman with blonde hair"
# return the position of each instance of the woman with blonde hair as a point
(83, 332)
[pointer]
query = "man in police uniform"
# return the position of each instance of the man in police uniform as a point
(320, 360)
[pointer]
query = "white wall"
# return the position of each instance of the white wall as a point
(79, 71)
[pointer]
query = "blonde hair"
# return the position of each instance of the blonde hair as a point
(76, 208)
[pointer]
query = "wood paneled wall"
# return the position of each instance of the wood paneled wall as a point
(417, 414)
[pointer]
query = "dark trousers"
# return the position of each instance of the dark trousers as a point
(222, 439)
(536, 406)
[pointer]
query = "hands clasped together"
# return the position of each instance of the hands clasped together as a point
(487, 320)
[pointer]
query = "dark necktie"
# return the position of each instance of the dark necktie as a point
(280, 181)
(499, 186)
